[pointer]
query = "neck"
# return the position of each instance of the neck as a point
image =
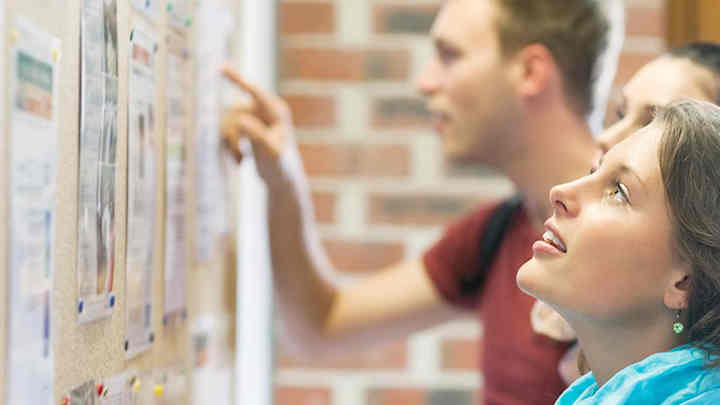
(610, 348)
(560, 149)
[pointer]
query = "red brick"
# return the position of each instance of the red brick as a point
(461, 354)
(402, 19)
(307, 18)
(396, 396)
(388, 357)
(631, 62)
(324, 204)
(356, 160)
(421, 209)
(645, 21)
(400, 112)
(302, 396)
(363, 256)
(346, 65)
(311, 111)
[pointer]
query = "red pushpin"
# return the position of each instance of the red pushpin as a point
(100, 390)
(66, 400)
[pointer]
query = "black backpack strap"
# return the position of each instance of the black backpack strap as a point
(490, 241)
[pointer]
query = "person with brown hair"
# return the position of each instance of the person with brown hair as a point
(631, 259)
(687, 71)
(510, 86)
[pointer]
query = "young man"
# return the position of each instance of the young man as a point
(510, 87)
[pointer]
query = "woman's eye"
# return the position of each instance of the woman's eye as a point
(620, 193)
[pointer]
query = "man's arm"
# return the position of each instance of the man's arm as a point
(321, 317)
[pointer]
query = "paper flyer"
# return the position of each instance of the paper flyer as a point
(98, 142)
(179, 84)
(180, 13)
(212, 195)
(151, 8)
(141, 205)
(33, 178)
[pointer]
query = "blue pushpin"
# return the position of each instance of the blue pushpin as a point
(112, 301)
(80, 306)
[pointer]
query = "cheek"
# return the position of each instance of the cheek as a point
(616, 266)
(470, 87)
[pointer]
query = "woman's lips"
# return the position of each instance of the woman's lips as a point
(543, 247)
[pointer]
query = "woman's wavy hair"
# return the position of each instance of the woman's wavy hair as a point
(689, 157)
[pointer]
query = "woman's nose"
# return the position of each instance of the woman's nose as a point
(563, 200)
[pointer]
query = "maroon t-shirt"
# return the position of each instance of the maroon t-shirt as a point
(519, 366)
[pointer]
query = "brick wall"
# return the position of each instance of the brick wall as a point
(380, 185)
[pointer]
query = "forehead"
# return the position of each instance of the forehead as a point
(640, 152)
(466, 23)
(667, 79)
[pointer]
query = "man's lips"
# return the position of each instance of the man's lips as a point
(440, 121)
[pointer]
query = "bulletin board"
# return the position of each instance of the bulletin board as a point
(201, 334)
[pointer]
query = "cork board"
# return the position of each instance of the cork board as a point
(96, 350)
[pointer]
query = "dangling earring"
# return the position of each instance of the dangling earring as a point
(678, 326)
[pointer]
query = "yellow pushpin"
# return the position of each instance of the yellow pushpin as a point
(136, 385)
(14, 36)
(159, 389)
(55, 54)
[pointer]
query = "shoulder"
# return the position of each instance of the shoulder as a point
(707, 397)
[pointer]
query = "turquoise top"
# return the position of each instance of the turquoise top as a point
(675, 377)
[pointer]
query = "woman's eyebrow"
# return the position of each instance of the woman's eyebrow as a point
(627, 169)
(623, 168)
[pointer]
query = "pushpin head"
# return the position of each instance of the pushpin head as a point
(14, 36)
(169, 6)
(159, 389)
(66, 400)
(112, 301)
(100, 389)
(188, 22)
(136, 385)
(55, 54)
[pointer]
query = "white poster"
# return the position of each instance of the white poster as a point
(141, 191)
(212, 194)
(33, 172)
(212, 360)
(150, 8)
(179, 13)
(98, 142)
(179, 85)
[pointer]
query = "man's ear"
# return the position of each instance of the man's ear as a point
(537, 70)
(677, 293)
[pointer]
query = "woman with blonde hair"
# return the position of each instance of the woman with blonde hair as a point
(631, 259)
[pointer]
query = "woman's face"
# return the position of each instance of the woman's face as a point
(612, 256)
(658, 83)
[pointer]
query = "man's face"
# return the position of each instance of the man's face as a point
(658, 83)
(466, 87)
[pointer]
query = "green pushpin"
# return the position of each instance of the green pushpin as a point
(188, 22)
(169, 6)
(678, 327)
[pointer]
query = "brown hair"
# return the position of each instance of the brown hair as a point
(574, 31)
(689, 153)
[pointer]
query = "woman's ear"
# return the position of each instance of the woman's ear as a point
(677, 293)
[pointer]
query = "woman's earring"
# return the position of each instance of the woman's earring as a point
(678, 327)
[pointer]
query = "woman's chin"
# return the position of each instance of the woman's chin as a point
(529, 277)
